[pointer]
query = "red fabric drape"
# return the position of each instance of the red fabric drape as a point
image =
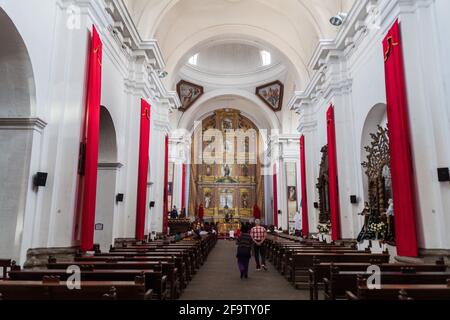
(333, 176)
(305, 224)
(141, 203)
(256, 212)
(201, 212)
(275, 196)
(183, 187)
(166, 187)
(399, 140)
(90, 140)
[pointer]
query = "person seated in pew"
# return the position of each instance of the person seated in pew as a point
(174, 213)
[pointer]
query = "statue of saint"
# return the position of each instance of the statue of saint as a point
(390, 221)
(245, 170)
(245, 201)
(207, 200)
(208, 170)
(226, 171)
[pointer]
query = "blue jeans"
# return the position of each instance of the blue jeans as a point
(260, 251)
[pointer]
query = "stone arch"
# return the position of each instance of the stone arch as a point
(17, 88)
(256, 110)
(107, 149)
(20, 138)
(108, 171)
(377, 116)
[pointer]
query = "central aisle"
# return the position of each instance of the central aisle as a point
(219, 279)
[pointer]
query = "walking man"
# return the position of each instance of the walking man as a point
(258, 234)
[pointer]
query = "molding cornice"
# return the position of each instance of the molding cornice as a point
(364, 15)
(125, 44)
(36, 124)
(110, 165)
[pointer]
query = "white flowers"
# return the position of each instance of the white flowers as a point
(377, 227)
(324, 228)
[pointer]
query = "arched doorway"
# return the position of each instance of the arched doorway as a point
(108, 170)
(377, 180)
(19, 137)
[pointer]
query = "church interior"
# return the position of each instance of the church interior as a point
(143, 142)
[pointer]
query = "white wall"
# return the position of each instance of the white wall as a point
(353, 81)
(59, 57)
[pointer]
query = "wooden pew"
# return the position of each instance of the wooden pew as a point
(152, 278)
(402, 292)
(175, 279)
(5, 264)
(299, 264)
(164, 267)
(342, 281)
(283, 260)
(54, 289)
(322, 270)
(182, 261)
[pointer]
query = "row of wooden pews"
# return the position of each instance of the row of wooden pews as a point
(133, 270)
(343, 272)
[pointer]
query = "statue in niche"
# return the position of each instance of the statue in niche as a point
(207, 200)
(245, 201)
(226, 171)
(245, 170)
(377, 169)
(208, 170)
(227, 124)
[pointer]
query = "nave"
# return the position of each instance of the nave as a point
(219, 280)
(132, 123)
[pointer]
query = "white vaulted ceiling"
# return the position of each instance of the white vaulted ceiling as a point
(289, 29)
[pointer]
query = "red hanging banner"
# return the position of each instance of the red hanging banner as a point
(400, 147)
(144, 142)
(275, 197)
(333, 176)
(305, 224)
(90, 143)
(183, 187)
(166, 188)
(256, 212)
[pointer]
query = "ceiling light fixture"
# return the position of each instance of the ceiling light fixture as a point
(338, 19)
(163, 74)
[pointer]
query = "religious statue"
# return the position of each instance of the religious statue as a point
(245, 170)
(207, 200)
(292, 194)
(369, 218)
(208, 170)
(226, 171)
(245, 201)
(227, 124)
(390, 221)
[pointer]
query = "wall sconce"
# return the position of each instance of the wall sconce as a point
(444, 174)
(120, 197)
(40, 179)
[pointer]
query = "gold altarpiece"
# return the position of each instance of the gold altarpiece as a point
(226, 172)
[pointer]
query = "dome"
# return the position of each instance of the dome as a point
(232, 59)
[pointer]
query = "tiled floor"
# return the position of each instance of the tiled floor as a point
(219, 279)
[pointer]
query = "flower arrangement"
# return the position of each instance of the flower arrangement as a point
(377, 227)
(324, 228)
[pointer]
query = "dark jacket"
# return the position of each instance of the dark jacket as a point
(244, 244)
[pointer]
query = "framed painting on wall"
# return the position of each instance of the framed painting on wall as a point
(188, 93)
(272, 94)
